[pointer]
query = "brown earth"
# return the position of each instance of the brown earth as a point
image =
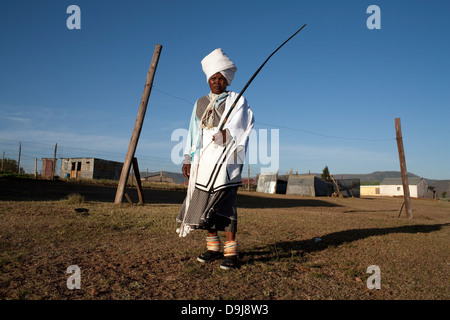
(132, 251)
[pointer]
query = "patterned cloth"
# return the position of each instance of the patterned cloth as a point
(211, 211)
(215, 114)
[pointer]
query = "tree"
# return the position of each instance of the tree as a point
(11, 165)
(326, 174)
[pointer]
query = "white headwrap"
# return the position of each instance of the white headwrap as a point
(218, 61)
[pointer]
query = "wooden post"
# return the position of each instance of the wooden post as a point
(54, 163)
(128, 198)
(35, 168)
(338, 192)
(404, 172)
(248, 181)
(138, 181)
(138, 125)
(3, 158)
(18, 160)
(132, 177)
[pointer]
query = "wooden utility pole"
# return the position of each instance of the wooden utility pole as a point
(54, 163)
(404, 172)
(248, 181)
(18, 160)
(132, 176)
(138, 125)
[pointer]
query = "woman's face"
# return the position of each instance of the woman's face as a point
(217, 83)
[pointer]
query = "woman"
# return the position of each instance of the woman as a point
(217, 159)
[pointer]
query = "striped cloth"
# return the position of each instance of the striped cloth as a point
(211, 211)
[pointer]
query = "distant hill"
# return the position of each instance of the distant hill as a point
(373, 177)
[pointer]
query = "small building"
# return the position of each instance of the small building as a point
(308, 185)
(271, 183)
(49, 168)
(372, 190)
(90, 168)
(418, 187)
(252, 181)
(267, 183)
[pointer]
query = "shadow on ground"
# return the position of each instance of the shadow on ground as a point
(285, 249)
(13, 189)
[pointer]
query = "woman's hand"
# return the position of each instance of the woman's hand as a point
(186, 170)
(220, 138)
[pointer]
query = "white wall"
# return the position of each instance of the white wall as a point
(397, 190)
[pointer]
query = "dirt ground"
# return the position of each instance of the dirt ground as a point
(291, 247)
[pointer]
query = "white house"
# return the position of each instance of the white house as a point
(418, 187)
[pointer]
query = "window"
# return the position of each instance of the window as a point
(398, 188)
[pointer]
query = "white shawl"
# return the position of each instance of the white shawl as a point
(239, 125)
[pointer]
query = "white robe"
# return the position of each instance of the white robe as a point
(202, 149)
(239, 125)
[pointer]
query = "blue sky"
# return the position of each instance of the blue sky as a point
(333, 91)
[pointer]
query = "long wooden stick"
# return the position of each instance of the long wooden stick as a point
(404, 172)
(54, 163)
(138, 125)
(253, 77)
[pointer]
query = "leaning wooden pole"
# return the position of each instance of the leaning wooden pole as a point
(138, 125)
(138, 181)
(404, 172)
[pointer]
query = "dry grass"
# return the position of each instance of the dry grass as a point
(132, 252)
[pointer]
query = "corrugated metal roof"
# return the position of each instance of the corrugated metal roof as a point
(398, 181)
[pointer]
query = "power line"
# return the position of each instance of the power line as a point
(172, 96)
(324, 135)
(46, 150)
(288, 128)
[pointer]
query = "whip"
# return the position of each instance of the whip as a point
(253, 77)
